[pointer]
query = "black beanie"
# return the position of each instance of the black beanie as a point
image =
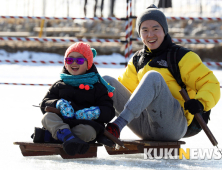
(152, 13)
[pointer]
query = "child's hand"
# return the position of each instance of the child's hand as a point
(88, 113)
(66, 109)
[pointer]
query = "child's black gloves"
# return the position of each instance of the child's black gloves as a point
(193, 106)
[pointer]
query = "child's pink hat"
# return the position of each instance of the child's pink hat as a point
(84, 49)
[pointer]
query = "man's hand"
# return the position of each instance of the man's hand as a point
(113, 129)
(193, 106)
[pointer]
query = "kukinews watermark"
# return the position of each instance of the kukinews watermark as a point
(179, 153)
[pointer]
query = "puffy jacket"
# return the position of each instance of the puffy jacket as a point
(201, 84)
(81, 98)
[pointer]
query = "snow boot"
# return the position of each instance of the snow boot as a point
(102, 139)
(71, 143)
(41, 135)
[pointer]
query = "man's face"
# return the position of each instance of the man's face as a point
(152, 34)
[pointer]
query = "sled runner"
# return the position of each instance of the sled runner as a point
(44, 149)
(138, 146)
(132, 147)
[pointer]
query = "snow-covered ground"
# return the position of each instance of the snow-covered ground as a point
(18, 119)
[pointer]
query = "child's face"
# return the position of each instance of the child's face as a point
(74, 68)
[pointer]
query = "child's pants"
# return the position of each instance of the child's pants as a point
(52, 122)
(151, 110)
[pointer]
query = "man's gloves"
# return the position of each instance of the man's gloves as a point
(113, 129)
(66, 109)
(88, 113)
(193, 106)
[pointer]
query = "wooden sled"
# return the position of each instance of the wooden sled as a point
(43, 149)
(138, 146)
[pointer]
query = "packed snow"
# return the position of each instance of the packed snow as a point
(19, 117)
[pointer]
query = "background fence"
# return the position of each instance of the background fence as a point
(62, 22)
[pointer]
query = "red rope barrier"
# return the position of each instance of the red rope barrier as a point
(56, 62)
(25, 84)
(60, 39)
(31, 84)
(95, 62)
(180, 40)
(62, 18)
(111, 18)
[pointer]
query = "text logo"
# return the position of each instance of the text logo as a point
(179, 153)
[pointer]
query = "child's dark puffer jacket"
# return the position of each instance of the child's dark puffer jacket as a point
(81, 98)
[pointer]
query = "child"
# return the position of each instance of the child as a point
(80, 94)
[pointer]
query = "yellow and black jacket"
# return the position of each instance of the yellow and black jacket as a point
(201, 84)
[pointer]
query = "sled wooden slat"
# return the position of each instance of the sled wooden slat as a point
(159, 143)
(36, 153)
(44, 149)
(138, 146)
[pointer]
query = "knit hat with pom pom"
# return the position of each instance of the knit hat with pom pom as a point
(84, 49)
(152, 13)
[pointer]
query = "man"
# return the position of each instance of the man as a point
(112, 5)
(95, 7)
(147, 97)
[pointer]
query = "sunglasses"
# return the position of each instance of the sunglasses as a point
(79, 61)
